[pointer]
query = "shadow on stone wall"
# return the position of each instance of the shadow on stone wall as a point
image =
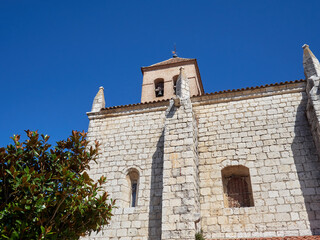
(172, 111)
(308, 167)
(156, 187)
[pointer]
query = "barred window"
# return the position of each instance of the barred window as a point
(237, 187)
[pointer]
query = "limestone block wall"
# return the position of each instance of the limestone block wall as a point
(179, 157)
(268, 133)
(180, 208)
(130, 139)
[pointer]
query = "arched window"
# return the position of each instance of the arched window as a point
(159, 87)
(237, 187)
(133, 182)
(174, 80)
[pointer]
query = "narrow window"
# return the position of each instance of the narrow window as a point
(133, 193)
(237, 187)
(133, 182)
(159, 87)
(175, 79)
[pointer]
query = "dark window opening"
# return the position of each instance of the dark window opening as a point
(238, 192)
(159, 87)
(133, 194)
(237, 187)
(175, 79)
(132, 188)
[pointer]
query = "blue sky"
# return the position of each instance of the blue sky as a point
(54, 55)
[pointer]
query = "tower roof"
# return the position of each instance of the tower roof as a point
(171, 60)
(174, 61)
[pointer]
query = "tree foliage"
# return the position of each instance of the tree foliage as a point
(46, 193)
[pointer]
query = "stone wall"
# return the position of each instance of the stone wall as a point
(267, 132)
(180, 154)
(180, 208)
(130, 140)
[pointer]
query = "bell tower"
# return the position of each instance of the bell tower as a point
(159, 80)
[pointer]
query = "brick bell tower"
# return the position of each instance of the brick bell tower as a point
(160, 79)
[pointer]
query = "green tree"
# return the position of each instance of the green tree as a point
(46, 193)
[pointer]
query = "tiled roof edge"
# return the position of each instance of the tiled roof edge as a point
(214, 93)
(136, 104)
(252, 88)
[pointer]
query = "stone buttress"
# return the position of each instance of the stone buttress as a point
(180, 200)
(312, 72)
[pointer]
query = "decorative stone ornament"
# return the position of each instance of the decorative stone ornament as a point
(310, 63)
(98, 102)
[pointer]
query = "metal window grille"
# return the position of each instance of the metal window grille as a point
(238, 192)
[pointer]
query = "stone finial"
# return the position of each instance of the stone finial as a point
(98, 101)
(305, 46)
(310, 63)
(182, 86)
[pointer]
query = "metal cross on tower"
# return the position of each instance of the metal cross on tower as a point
(174, 52)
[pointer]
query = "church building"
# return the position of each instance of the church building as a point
(238, 163)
